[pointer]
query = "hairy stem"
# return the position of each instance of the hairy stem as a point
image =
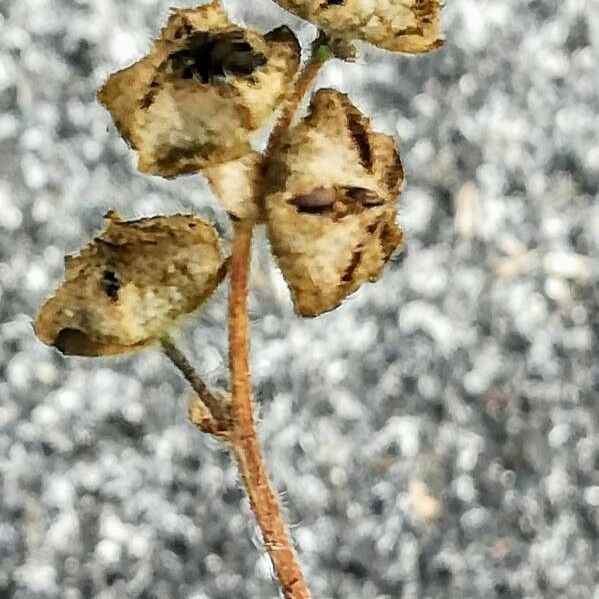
(244, 438)
(215, 408)
(239, 430)
(296, 93)
(241, 386)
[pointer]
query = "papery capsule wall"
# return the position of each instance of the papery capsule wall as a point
(410, 26)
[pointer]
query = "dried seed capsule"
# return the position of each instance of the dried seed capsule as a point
(331, 198)
(206, 85)
(124, 290)
(410, 26)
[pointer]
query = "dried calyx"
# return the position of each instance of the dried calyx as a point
(410, 26)
(238, 185)
(331, 199)
(128, 287)
(205, 86)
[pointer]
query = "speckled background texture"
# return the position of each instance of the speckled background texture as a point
(436, 437)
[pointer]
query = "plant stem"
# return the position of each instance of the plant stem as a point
(244, 438)
(297, 93)
(238, 325)
(239, 431)
(217, 411)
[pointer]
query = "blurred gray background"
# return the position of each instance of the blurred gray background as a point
(435, 437)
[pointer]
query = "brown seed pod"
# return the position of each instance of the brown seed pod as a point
(410, 26)
(205, 86)
(124, 290)
(330, 202)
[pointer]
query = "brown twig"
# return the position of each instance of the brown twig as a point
(244, 440)
(211, 413)
(233, 421)
(240, 430)
(296, 93)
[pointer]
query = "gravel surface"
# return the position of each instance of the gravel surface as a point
(435, 437)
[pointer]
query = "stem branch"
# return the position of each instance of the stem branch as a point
(244, 439)
(296, 94)
(214, 413)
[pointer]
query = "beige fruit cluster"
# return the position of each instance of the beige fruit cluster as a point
(124, 290)
(205, 86)
(327, 189)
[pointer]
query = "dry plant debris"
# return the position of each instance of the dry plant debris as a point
(124, 290)
(327, 189)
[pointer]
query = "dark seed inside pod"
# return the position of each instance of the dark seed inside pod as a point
(235, 55)
(111, 284)
(73, 342)
(367, 197)
(208, 56)
(318, 201)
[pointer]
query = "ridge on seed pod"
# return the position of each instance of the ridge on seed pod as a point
(131, 284)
